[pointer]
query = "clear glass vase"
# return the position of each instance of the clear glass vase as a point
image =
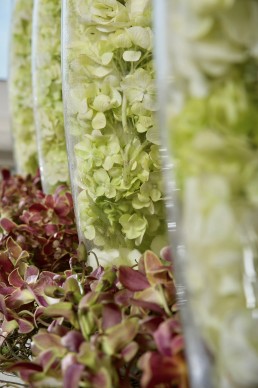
(207, 54)
(110, 101)
(47, 93)
(20, 88)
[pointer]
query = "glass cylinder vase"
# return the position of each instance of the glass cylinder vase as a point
(47, 93)
(110, 101)
(20, 88)
(208, 77)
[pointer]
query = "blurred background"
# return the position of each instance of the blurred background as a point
(6, 157)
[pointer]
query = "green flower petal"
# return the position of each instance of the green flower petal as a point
(99, 121)
(141, 37)
(132, 56)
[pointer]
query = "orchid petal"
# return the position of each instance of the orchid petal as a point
(129, 352)
(119, 336)
(102, 379)
(132, 279)
(7, 225)
(24, 326)
(15, 278)
(31, 274)
(111, 315)
(46, 359)
(13, 248)
(61, 309)
(19, 297)
(72, 341)
(72, 376)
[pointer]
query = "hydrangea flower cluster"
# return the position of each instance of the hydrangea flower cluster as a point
(215, 36)
(20, 88)
(110, 101)
(47, 93)
(215, 144)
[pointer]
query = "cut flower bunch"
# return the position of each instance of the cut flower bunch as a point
(64, 324)
(215, 146)
(110, 100)
(20, 88)
(42, 224)
(47, 93)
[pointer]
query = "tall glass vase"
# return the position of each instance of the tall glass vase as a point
(47, 93)
(110, 101)
(20, 88)
(208, 77)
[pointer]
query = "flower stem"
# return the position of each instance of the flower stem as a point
(124, 119)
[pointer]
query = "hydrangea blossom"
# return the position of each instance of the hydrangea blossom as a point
(47, 92)
(214, 142)
(209, 42)
(20, 88)
(110, 99)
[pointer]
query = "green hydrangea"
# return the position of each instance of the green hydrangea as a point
(47, 91)
(203, 6)
(223, 33)
(20, 88)
(213, 121)
(110, 104)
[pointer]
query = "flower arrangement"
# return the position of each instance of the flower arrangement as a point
(41, 224)
(110, 100)
(20, 88)
(213, 132)
(47, 93)
(104, 328)
(64, 324)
